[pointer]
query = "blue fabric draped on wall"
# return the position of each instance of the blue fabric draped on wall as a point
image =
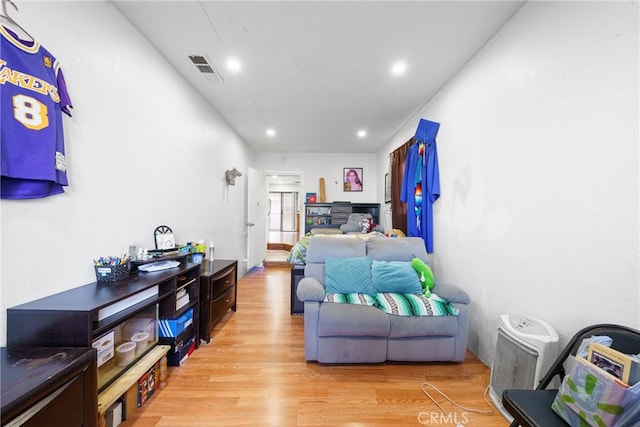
(421, 183)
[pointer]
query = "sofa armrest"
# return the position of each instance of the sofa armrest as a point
(451, 293)
(309, 289)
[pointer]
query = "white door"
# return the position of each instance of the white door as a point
(257, 210)
(288, 211)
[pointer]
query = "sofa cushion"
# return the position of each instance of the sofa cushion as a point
(321, 247)
(397, 249)
(352, 321)
(395, 276)
(347, 275)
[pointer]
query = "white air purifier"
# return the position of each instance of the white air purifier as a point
(525, 349)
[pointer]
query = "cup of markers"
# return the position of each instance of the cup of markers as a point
(112, 269)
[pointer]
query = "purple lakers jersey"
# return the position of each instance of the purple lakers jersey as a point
(33, 96)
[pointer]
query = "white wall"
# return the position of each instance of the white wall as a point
(313, 166)
(538, 150)
(143, 149)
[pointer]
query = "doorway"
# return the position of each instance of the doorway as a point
(284, 215)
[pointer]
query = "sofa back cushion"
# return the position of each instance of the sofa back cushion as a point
(395, 276)
(397, 249)
(322, 247)
(348, 275)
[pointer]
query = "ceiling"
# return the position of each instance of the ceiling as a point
(318, 72)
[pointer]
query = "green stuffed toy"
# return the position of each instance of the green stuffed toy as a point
(426, 276)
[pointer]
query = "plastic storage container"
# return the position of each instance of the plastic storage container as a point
(125, 353)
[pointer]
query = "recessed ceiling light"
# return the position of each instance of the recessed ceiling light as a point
(362, 133)
(233, 64)
(398, 68)
(271, 132)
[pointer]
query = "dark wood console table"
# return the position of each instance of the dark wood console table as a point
(49, 386)
(218, 293)
(107, 315)
(297, 274)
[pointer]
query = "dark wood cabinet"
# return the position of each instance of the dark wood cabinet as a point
(297, 273)
(107, 316)
(50, 386)
(340, 213)
(218, 293)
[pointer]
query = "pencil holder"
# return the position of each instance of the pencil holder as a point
(112, 273)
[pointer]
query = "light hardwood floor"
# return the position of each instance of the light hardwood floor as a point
(253, 373)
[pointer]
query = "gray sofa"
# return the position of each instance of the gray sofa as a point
(345, 333)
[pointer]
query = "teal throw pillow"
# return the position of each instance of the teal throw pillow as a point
(348, 275)
(395, 276)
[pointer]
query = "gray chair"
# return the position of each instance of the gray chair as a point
(532, 408)
(354, 223)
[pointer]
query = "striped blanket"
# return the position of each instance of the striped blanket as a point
(398, 304)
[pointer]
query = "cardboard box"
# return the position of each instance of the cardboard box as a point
(181, 354)
(173, 327)
(176, 356)
(182, 301)
(148, 384)
(176, 343)
(113, 415)
(105, 347)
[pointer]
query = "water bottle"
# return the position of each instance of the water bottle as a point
(210, 252)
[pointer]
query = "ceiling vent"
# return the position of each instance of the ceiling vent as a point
(205, 68)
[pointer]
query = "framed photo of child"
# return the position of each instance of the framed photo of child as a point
(352, 179)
